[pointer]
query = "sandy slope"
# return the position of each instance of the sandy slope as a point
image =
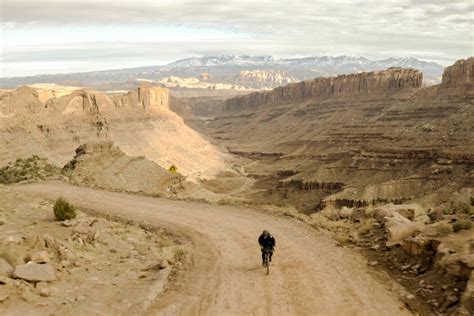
(310, 274)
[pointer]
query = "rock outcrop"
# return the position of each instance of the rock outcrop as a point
(104, 165)
(390, 80)
(80, 102)
(146, 97)
(461, 73)
(83, 101)
(22, 100)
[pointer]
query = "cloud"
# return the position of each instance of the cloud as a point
(425, 29)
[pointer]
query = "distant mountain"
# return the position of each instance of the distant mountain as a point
(212, 61)
(302, 67)
(242, 71)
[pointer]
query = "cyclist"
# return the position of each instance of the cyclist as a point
(266, 241)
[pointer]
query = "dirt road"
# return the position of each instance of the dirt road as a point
(310, 275)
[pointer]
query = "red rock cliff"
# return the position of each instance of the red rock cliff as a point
(390, 80)
(460, 73)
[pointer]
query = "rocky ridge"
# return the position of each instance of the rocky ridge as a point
(139, 122)
(390, 80)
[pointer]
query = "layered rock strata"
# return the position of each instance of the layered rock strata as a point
(390, 80)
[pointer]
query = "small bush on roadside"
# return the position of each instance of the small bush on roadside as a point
(366, 226)
(342, 238)
(462, 224)
(443, 229)
(63, 210)
(179, 254)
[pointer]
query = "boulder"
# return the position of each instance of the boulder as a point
(390, 215)
(381, 212)
(406, 212)
(14, 239)
(36, 242)
(5, 267)
(345, 212)
(458, 264)
(40, 257)
(439, 229)
(397, 233)
(467, 300)
(35, 272)
(416, 245)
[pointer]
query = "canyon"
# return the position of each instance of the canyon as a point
(379, 136)
(376, 160)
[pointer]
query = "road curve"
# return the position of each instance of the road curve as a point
(310, 275)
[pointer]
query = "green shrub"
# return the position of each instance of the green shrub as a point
(63, 210)
(462, 224)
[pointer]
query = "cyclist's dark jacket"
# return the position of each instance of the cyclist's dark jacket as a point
(267, 243)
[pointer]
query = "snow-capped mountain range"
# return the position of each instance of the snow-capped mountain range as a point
(324, 65)
(252, 72)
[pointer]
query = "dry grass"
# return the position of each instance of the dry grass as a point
(366, 227)
(179, 254)
(342, 238)
(319, 220)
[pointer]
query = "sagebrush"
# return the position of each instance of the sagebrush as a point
(63, 210)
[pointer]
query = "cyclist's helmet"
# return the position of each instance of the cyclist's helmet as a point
(265, 233)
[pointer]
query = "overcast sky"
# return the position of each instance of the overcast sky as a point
(50, 36)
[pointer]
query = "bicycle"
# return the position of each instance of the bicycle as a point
(266, 259)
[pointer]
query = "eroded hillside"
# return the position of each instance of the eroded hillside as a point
(139, 122)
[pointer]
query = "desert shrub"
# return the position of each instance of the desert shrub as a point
(179, 254)
(48, 168)
(462, 224)
(63, 210)
(342, 238)
(366, 227)
(460, 207)
(443, 229)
